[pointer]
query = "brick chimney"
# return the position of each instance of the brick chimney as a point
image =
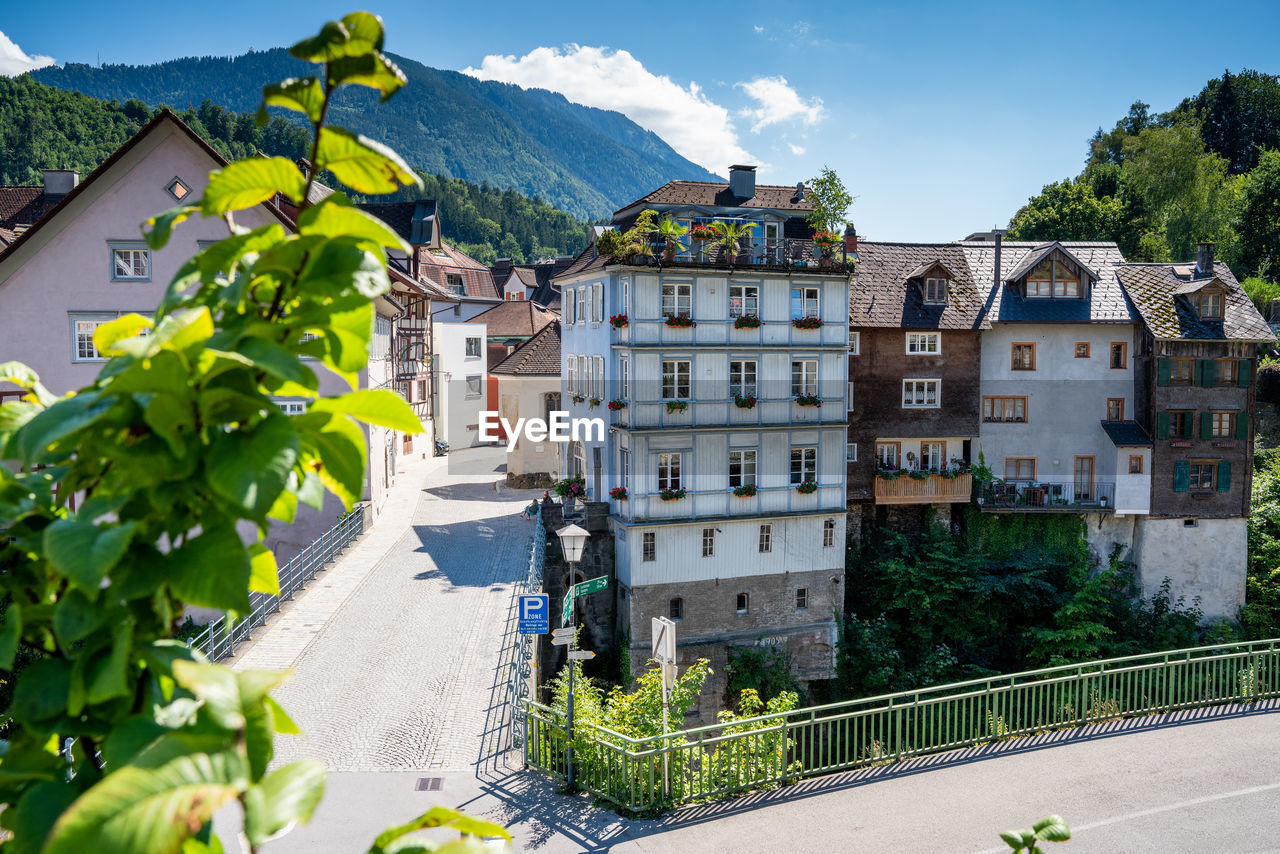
(59, 182)
(850, 240)
(742, 181)
(1204, 259)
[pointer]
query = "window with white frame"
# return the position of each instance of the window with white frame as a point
(597, 302)
(708, 542)
(742, 377)
(626, 296)
(582, 305)
(931, 456)
(571, 378)
(804, 376)
(473, 386)
(851, 452)
(744, 300)
(766, 538)
(675, 379)
(742, 468)
(887, 455)
(570, 316)
(130, 262)
(920, 394)
(82, 328)
(855, 343)
(599, 388)
(454, 281)
(584, 381)
(624, 378)
(669, 468)
(677, 299)
(804, 302)
(923, 343)
(828, 533)
(624, 467)
(473, 348)
(935, 290)
(804, 465)
(648, 546)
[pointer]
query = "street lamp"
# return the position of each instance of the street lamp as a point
(572, 541)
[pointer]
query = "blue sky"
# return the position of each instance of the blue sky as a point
(941, 117)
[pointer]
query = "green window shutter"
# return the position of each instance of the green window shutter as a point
(1162, 425)
(1181, 476)
(1206, 425)
(1189, 430)
(1208, 372)
(1242, 426)
(1244, 372)
(1224, 475)
(1162, 371)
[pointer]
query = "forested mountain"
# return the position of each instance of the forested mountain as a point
(1158, 183)
(587, 161)
(46, 128)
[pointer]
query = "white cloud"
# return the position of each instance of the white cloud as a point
(779, 103)
(759, 29)
(795, 149)
(13, 61)
(689, 121)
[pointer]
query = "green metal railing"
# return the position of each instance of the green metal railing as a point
(722, 759)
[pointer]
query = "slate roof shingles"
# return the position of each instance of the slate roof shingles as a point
(1153, 288)
(1107, 301)
(710, 194)
(882, 294)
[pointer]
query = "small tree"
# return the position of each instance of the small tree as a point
(831, 201)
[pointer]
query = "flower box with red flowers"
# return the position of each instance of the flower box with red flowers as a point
(808, 400)
(807, 487)
(615, 405)
(618, 321)
(747, 321)
(826, 239)
(807, 322)
(745, 491)
(680, 321)
(672, 494)
(744, 401)
(618, 493)
(702, 232)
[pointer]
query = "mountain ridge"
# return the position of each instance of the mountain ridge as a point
(585, 160)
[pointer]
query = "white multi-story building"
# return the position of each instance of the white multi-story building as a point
(724, 458)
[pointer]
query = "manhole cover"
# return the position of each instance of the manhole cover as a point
(429, 784)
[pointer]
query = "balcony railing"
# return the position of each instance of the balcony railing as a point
(1063, 494)
(721, 502)
(779, 252)
(933, 489)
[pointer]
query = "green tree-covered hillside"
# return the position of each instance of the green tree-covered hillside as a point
(42, 127)
(1159, 182)
(589, 162)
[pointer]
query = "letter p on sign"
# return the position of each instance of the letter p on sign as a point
(533, 614)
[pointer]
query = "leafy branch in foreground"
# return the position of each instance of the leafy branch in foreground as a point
(1048, 829)
(175, 442)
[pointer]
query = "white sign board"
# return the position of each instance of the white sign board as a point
(581, 655)
(663, 640)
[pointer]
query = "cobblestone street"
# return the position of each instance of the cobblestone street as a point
(405, 673)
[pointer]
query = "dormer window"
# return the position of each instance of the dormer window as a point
(1208, 306)
(935, 290)
(1051, 278)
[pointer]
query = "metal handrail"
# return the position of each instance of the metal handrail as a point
(220, 637)
(782, 747)
(522, 665)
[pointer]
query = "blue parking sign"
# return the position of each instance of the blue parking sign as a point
(534, 615)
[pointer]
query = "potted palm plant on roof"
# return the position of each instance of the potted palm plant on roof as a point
(670, 233)
(729, 237)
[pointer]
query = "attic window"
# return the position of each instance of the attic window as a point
(1208, 306)
(1051, 278)
(935, 290)
(454, 281)
(177, 189)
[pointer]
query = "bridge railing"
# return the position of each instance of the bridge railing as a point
(742, 755)
(525, 649)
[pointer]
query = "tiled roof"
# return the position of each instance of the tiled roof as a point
(438, 263)
(587, 259)
(539, 356)
(886, 291)
(710, 194)
(1153, 289)
(23, 206)
(1126, 434)
(1004, 304)
(514, 318)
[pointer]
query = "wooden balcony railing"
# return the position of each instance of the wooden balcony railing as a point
(935, 489)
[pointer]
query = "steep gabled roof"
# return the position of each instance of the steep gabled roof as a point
(514, 319)
(439, 263)
(539, 356)
(885, 290)
(20, 206)
(1038, 253)
(1154, 289)
(1106, 302)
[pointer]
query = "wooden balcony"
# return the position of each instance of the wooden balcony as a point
(935, 489)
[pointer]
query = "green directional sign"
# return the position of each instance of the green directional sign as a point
(591, 585)
(566, 609)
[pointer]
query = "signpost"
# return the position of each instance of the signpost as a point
(581, 655)
(534, 616)
(567, 635)
(663, 645)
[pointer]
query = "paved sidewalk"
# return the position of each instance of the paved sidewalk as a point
(278, 645)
